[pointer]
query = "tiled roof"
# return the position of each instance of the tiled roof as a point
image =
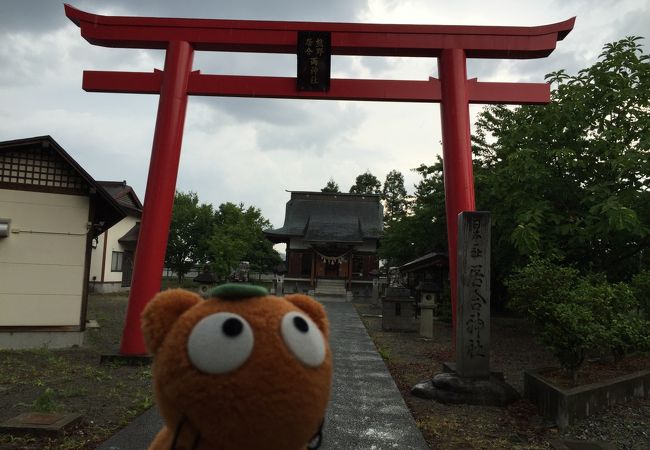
(124, 195)
(433, 259)
(321, 217)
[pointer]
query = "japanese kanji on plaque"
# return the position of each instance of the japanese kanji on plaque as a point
(314, 60)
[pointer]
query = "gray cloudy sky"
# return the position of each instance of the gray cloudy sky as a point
(252, 150)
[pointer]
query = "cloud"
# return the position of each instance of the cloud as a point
(306, 10)
(252, 150)
(20, 15)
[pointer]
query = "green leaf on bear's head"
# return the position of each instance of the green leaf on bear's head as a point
(237, 291)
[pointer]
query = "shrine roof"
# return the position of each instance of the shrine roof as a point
(433, 259)
(320, 217)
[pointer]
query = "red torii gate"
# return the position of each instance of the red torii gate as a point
(451, 44)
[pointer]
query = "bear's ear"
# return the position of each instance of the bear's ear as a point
(313, 309)
(161, 312)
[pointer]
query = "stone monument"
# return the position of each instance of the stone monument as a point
(473, 308)
(469, 380)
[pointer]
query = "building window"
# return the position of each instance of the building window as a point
(116, 261)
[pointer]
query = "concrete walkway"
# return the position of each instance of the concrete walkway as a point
(366, 410)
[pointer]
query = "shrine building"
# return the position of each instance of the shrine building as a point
(332, 240)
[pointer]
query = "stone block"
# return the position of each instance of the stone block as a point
(398, 314)
(568, 405)
(39, 423)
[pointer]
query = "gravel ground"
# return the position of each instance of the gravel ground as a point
(411, 358)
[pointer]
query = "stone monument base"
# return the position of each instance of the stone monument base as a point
(449, 387)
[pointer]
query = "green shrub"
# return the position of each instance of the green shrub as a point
(539, 284)
(627, 334)
(614, 307)
(569, 332)
(641, 288)
(575, 314)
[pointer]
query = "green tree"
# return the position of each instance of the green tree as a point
(571, 178)
(366, 183)
(423, 229)
(394, 196)
(190, 229)
(331, 187)
(238, 236)
(568, 179)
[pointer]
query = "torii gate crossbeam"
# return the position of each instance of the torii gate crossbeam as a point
(451, 44)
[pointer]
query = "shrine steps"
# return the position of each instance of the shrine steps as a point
(334, 288)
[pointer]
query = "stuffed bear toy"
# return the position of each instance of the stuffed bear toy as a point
(240, 370)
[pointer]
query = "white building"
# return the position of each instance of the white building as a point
(51, 210)
(113, 251)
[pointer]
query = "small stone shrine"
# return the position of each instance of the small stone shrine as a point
(397, 305)
(469, 380)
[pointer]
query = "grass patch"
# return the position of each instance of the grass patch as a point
(46, 402)
(384, 352)
(72, 380)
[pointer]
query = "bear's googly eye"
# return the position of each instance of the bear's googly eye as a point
(220, 343)
(304, 338)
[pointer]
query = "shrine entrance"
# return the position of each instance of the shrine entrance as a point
(314, 43)
(332, 269)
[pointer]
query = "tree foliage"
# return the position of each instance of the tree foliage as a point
(238, 236)
(366, 183)
(423, 228)
(331, 187)
(200, 235)
(190, 226)
(571, 178)
(641, 287)
(394, 196)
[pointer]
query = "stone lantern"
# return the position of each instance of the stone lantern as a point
(207, 281)
(375, 285)
(429, 306)
(278, 283)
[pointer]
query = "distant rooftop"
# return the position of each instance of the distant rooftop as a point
(323, 217)
(124, 195)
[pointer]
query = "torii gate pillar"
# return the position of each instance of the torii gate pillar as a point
(456, 150)
(451, 44)
(161, 187)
